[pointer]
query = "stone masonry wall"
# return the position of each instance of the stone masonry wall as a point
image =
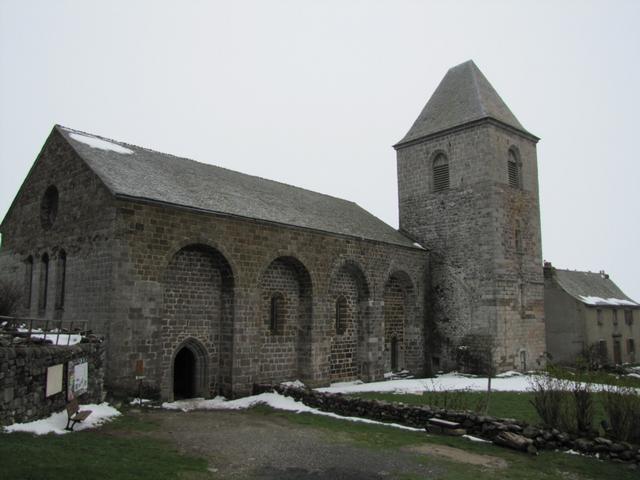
(394, 323)
(278, 350)
(23, 379)
(82, 229)
(150, 235)
(480, 286)
(344, 360)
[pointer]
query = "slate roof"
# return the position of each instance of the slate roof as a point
(150, 175)
(592, 288)
(464, 95)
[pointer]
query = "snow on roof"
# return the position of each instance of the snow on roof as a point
(607, 301)
(592, 288)
(100, 143)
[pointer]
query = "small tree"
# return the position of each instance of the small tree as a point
(477, 356)
(9, 298)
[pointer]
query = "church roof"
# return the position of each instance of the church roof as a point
(594, 289)
(464, 95)
(133, 172)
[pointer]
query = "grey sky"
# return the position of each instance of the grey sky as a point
(315, 93)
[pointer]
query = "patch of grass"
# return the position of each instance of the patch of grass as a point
(548, 465)
(600, 376)
(96, 454)
(502, 405)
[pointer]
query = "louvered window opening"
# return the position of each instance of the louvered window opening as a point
(440, 174)
(513, 167)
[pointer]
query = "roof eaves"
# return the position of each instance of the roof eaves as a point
(154, 201)
(464, 126)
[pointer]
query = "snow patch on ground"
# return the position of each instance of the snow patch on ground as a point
(475, 439)
(274, 400)
(98, 143)
(57, 421)
(295, 384)
(446, 382)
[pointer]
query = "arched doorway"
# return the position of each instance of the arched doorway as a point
(190, 365)
(184, 374)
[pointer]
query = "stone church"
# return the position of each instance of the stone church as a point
(206, 280)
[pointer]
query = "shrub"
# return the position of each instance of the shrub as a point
(582, 395)
(447, 399)
(9, 298)
(622, 408)
(550, 401)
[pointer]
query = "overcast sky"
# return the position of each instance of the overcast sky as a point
(315, 93)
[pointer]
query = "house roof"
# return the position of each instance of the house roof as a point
(594, 289)
(464, 95)
(133, 172)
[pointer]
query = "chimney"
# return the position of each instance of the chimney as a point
(604, 275)
(548, 269)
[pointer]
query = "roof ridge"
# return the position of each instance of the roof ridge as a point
(474, 76)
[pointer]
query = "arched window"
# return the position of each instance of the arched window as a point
(341, 315)
(276, 317)
(44, 282)
(28, 281)
(440, 173)
(62, 278)
(514, 169)
(49, 207)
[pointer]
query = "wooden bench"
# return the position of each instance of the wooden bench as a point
(438, 425)
(74, 414)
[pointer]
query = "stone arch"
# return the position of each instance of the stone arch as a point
(198, 302)
(285, 354)
(399, 313)
(348, 296)
(204, 241)
(190, 375)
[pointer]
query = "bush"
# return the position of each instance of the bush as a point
(10, 297)
(447, 399)
(582, 394)
(550, 399)
(622, 408)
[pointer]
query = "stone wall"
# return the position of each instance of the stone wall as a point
(23, 379)
(498, 430)
(482, 283)
(306, 267)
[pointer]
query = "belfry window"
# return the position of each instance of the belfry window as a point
(440, 173)
(514, 169)
(341, 315)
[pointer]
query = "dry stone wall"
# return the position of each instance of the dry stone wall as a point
(23, 379)
(505, 432)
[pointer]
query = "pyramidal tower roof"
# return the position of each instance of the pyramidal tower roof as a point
(464, 95)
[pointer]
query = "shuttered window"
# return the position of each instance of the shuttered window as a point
(440, 173)
(513, 166)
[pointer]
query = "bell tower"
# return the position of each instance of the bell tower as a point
(468, 191)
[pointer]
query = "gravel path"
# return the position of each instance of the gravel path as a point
(245, 445)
